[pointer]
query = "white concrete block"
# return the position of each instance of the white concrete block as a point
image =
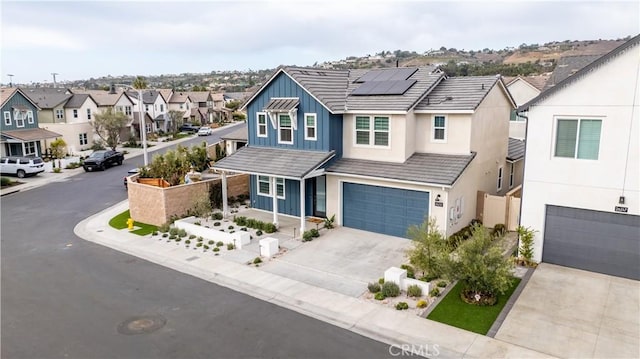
(406, 282)
(268, 246)
(395, 274)
(238, 239)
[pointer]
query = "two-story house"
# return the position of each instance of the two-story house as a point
(180, 101)
(581, 189)
(154, 106)
(65, 113)
(202, 109)
(20, 134)
(379, 149)
(117, 101)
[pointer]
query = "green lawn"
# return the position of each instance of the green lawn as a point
(478, 319)
(120, 222)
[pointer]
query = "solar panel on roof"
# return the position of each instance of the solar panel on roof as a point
(392, 74)
(371, 88)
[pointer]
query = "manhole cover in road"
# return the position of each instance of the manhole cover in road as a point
(142, 325)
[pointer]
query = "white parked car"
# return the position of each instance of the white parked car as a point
(205, 131)
(21, 166)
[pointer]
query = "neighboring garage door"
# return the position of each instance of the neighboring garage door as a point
(600, 242)
(383, 209)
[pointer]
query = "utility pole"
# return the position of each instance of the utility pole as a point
(10, 80)
(54, 78)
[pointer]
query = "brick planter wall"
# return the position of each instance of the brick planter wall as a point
(155, 205)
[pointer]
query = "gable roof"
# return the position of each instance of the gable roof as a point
(199, 96)
(7, 93)
(634, 41)
(47, 98)
(102, 97)
(77, 100)
(166, 94)
(536, 81)
(179, 97)
(148, 96)
(567, 66)
(461, 93)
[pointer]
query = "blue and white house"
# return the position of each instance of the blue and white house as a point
(19, 131)
(380, 149)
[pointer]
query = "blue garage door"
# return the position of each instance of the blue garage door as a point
(383, 209)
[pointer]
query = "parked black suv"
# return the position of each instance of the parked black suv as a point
(187, 127)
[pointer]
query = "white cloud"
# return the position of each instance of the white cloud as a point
(15, 37)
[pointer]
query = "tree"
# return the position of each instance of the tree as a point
(139, 83)
(176, 119)
(481, 267)
(108, 126)
(233, 105)
(58, 150)
(429, 246)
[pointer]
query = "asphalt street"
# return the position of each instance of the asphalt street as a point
(63, 297)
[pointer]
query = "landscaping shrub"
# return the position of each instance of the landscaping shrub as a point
(197, 223)
(164, 228)
(182, 233)
(173, 236)
(188, 241)
(178, 239)
(499, 230)
(211, 242)
(216, 249)
(199, 244)
(270, 228)
(257, 260)
(409, 269)
(402, 306)
(192, 236)
(314, 233)
(381, 281)
(4, 181)
(442, 284)
(434, 292)
(200, 239)
(154, 233)
(390, 289)
(328, 222)
(173, 231)
(258, 232)
(165, 235)
(373, 287)
(231, 227)
(219, 244)
(216, 224)
(240, 220)
(216, 216)
(205, 247)
(429, 277)
(421, 304)
(244, 229)
(414, 291)
(379, 296)
(230, 246)
(307, 236)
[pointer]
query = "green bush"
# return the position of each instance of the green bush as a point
(206, 247)
(192, 236)
(199, 244)
(379, 296)
(188, 241)
(402, 306)
(231, 227)
(442, 284)
(200, 239)
(270, 228)
(257, 260)
(173, 236)
(216, 249)
(211, 242)
(421, 304)
(414, 291)
(390, 289)
(373, 287)
(230, 246)
(499, 230)
(164, 228)
(182, 233)
(216, 216)
(154, 233)
(429, 277)
(307, 236)
(178, 239)
(219, 244)
(258, 232)
(216, 224)
(434, 292)
(197, 223)
(409, 269)
(240, 220)
(173, 231)
(4, 181)
(165, 235)
(381, 281)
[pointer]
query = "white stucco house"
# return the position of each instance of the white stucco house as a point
(581, 189)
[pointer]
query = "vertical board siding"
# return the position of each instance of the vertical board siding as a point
(18, 99)
(284, 86)
(290, 205)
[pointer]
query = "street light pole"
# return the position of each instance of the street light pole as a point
(144, 129)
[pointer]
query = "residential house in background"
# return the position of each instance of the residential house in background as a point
(154, 106)
(380, 149)
(220, 111)
(236, 139)
(66, 113)
(202, 109)
(20, 134)
(581, 189)
(180, 101)
(118, 101)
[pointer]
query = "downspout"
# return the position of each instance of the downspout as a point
(524, 168)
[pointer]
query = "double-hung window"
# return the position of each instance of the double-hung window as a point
(59, 114)
(19, 117)
(500, 178)
(83, 139)
(7, 118)
(285, 129)
(511, 175)
(262, 124)
(127, 110)
(88, 114)
(75, 113)
(372, 131)
(578, 138)
(30, 117)
(29, 148)
(264, 186)
(439, 132)
(310, 120)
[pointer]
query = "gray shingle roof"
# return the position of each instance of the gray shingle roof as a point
(240, 134)
(282, 104)
(568, 66)
(76, 100)
(47, 98)
(328, 86)
(273, 161)
(420, 167)
(516, 149)
(458, 93)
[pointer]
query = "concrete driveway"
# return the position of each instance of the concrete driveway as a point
(571, 313)
(342, 259)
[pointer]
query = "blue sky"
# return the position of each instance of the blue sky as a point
(83, 39)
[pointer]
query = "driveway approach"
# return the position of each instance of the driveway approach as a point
(571, 313)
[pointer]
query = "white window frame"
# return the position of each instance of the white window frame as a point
(7, 118)
(83, 139)
(259, 125)
(19, 118)
(30, 148)
(511, 175)
(127, 110)
(372, 131)
(75, 113)
(500, 177)
(280, 141)
(161, 107)
(88, 114)
(577, 145)
(443, 128)
(59, 114)
(307, 127)
(30, 119)
(280, 182)
(262, 179)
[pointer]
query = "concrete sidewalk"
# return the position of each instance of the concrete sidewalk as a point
(383, 324)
